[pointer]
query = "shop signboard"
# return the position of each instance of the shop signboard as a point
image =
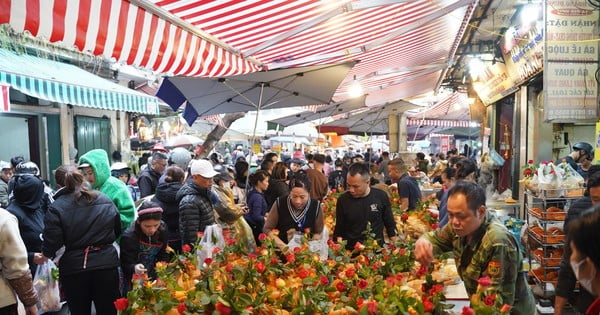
(571, 61)
(444, 143)
(523, 51)
(494, 83)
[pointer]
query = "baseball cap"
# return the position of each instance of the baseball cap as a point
(159, 147)
(203, 168)
(4, 165)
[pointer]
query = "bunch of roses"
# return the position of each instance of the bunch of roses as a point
(486, 301)
(367, 280)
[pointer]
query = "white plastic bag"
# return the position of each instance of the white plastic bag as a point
(320, 246)
(296, 241)
(212, 238)
(46, 287)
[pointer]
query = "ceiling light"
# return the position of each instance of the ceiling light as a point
(355, 89)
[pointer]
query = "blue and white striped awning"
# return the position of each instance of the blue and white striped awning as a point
(64, 83)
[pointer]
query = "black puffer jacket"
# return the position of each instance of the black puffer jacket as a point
(166, 197)
(148, 181)
(28, 192)
(87, 230)
(195, 211)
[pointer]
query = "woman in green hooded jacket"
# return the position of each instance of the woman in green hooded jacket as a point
(95, 168)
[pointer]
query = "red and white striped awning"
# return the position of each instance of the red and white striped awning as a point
(396, 43)
(404, 46)
(121, 30)
(442, 123)
(454, 107)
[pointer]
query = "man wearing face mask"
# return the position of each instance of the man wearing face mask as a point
(482, 246)
(566, 277)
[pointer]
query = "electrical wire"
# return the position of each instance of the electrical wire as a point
(594, 3)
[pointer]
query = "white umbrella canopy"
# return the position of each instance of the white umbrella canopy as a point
(371, 121)
(278, 88)
(323, 112)
(183, 141)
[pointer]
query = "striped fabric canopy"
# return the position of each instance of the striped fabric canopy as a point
(454, 107)
(64, 83)
(442, 123)
(404, 46)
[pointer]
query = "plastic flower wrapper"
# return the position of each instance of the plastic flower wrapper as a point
(571, 179)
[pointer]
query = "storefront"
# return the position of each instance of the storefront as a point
(57, 111)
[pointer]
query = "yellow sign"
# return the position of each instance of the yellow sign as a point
(494, 83)
(256, 148)
(276, 147)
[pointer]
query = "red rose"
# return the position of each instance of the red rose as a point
(434, 215)
(399, 277)
(467, 311)
(208, 260)
(229, 268)
(490, 300)
(350, 272)
(404, 217)
(528, 172)
(505, 308)
(360, 302)
(303, 273)
(485, 281)
(181, 308)
(363, 284)
(252, 256)
(200, 234)
(434, 226)
(260, 266)
(121, 304)
(530, 162)
(290, 258)
(216, 250)
(223, 309)
(428, 306)
(402, 251)
(262, 236)
(186, 248)
(274, 261)
(422, 271)
(324, 280)
(435, 289)
(340, 286)
(359, 246)
(372, 307)
(390, 281)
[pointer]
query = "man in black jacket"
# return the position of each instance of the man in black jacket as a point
(149, 177)
(566, 277)
(195, 204)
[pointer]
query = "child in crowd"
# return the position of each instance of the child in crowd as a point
(144, 244)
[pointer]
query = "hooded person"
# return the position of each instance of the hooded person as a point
(26, 205)
(95, 168)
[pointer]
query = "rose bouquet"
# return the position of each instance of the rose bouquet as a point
(486, 301)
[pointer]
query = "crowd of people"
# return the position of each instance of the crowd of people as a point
(102, 242)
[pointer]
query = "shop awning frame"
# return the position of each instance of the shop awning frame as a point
(64, 83)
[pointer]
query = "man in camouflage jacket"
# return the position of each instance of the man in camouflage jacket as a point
(481, 246)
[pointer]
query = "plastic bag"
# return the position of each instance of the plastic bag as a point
(296, 241)
(497, 159)
(212, 238)
(320, 247)
(45, 283)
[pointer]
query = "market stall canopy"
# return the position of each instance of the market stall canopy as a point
(254, 91)
(370, 121)
(322, 112)
(405, 47)
(453, 107)
(290, 139)
(451, 115)
(183, 141)
(64, 83)
(204, 127)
